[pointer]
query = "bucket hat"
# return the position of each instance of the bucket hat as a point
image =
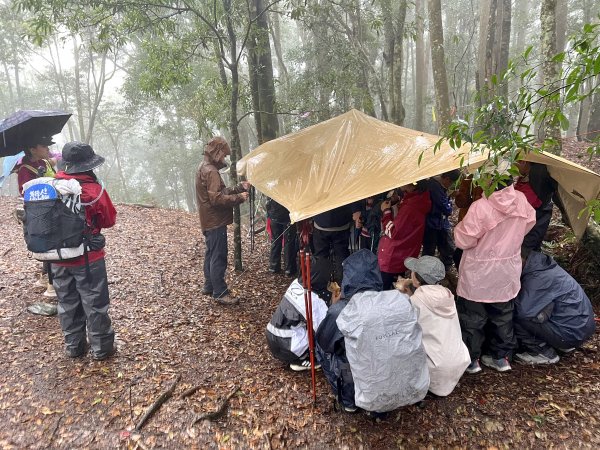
(78, 157)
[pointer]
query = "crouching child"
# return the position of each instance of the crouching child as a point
(552, 311)
(375, 335)
(287, 334)
(447, 355)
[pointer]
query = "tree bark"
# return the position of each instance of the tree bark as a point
(593, 127)
(480, 75)
(550, 69)
(394, 22)
(504, 46)
(420, 80)
(438, 63)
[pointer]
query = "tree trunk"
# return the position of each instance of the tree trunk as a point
(438, 63)
(236, 151)
(78, 93)
(253, 78)
(394, 22)
(593, 127)
(484, 19)
(420, 80)
(550, 69)
(562, 12)
(264, 78)
(504, 45)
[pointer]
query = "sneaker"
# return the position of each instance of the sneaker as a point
(227, 300)
(42, 281)
(566, 351)
(50, 292)
(350, 409)
(474, 367)
(535, 359)
(501, 365)
(304, 365)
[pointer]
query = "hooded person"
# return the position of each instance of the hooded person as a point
(215, 207)
(447, 355)
(81, 284)
(490, 235)
(287, 334)
(375, 335)
(552, 311)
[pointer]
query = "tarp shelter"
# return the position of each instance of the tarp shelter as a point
(354, 156)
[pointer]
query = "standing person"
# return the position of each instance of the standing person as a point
(82, 284)
(437, 226)
(403, 233)
(282, 233)
(38, 163)
(331, 232)
(215, 207)
(491, 235)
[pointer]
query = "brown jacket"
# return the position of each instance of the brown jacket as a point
(215, 201)
(466, 195)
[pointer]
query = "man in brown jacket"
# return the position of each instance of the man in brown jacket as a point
(215, 206)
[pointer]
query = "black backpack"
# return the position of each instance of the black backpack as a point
(55, 226)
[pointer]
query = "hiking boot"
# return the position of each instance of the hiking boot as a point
(304, 365)
(77, 352)
(474, 367)
(227, 300)
(206, 291)
(107, 355)
(501, 365)
(535, 359)
(274, 270)
(49, 292)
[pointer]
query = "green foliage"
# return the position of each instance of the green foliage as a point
(504, 126)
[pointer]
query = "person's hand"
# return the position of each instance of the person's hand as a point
(246, 185)
(386, 204)
(402, 285)
(244, 196)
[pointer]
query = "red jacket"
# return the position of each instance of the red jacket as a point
(101, 214)
(404, 233)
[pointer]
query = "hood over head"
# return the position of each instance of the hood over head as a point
(505, 201)
(437, 299)
(361, 273)
(215, 149)
(537, 262)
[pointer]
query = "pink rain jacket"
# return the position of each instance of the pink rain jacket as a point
(491, 235)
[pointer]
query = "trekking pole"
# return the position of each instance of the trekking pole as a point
(305, 270)
(252, 217)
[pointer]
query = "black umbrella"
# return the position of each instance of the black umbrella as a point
(19, 128)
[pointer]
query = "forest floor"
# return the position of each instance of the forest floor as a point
(167, 329)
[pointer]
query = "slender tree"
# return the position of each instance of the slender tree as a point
(438, 62)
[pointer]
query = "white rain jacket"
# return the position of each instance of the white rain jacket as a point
(447, 355)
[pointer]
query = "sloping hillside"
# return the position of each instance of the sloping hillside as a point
(167, 328)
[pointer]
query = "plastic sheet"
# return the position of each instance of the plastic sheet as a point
(354, 156)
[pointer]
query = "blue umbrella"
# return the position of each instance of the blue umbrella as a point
(8, 165)
(17, 130)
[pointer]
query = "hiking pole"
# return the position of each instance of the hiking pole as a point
(252, 217)
(305, 268)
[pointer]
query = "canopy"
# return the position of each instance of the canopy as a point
(354, 156)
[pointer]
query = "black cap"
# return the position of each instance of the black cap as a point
(40, 140)
(78, 157)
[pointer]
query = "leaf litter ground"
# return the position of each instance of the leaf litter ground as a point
(166, 328)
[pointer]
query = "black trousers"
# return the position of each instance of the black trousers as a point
(533, 240)
(325, 242)
(215, 261)
(83, 302)
(284, 237)
(443, 241)
(496, 318)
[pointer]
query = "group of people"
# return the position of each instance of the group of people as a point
(513, 302)
(80, 283)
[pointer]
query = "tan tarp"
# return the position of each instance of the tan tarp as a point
(354, 156)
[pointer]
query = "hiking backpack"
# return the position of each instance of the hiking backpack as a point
(55, 225)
